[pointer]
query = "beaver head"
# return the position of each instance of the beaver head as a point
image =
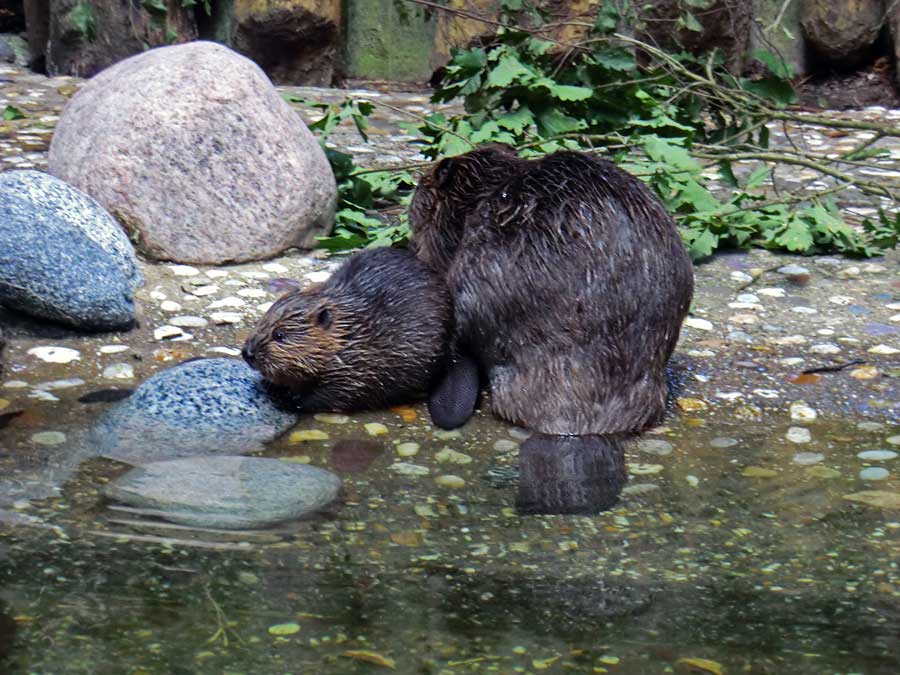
(446, 195)
(298, 340)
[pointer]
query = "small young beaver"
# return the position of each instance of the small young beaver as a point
(371, 336)
(569, 283)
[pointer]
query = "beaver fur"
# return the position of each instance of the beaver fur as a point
(373, 335)
(569, 284)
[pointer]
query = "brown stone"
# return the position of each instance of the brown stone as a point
(842, 31)
(86, 37)
(197, 155)
(294, 41)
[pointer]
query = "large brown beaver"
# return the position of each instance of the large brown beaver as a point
(371, 336)
(569, 284)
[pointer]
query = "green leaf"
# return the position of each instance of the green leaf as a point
(156, 7)
(84, 19)
(776, 65)
(615, 58)
(565, 92)
(690, 22)
(663, 151)
(795, 237)
(517, 121)
(554, 122)
(701, 244)
(470, 59)
(11, 112)
(508, 70)
(773, 89)
(758, 177)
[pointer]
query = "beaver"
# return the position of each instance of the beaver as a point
(373, 335)
(569, 284)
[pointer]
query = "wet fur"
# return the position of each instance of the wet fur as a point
(383, 342)
(569, 282)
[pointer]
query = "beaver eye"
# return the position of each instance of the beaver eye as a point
(279, 336)
(323, 318)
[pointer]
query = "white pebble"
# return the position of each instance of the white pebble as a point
(157, 295)
(886, 350)
(15, 384)
(408, 449)
(877, 455)
(55, 354)
(39, 395)
(118, 371)
(252, 293)
(848, 272)
(60, 384)
(216, 274)
(729, 395)
(741, 277)
(800, 309)
(825, 331)
(221, 318)
(188, 321)
(167, 333)
(697, 323)
(766, 393)
(874, 473)
(825, 348)
(275, 268)
(113, 349)
(203, 291)
(841, 300)
(773, 292)
(407, 469)
(230, 301)
(184, 270)
(318, 277)
(808, 458)
(253, 274)
(748, 298)
(228, 351)
(170, 306)
(798, 435)
(49, 437)
(801, 412)
(791, 361)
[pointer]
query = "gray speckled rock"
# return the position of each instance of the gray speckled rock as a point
(226, 492)
(62, 257)
(196, 153)
(203, 407)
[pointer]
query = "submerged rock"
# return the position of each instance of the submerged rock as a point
(208, 406)
(194, 150)
(62, 257)
(226, 492)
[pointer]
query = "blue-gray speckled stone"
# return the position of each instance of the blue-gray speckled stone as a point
(226, 492)
(204, 407)
(62, 257)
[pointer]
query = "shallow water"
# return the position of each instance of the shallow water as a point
(775, 573)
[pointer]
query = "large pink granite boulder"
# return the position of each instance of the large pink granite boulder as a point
(197, 155)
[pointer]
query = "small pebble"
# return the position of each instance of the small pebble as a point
(409, 449)
(307, 435)
(640, 489)
(157, 295)
(893, 440)
(848, 272)
(841, 300)
(188, 321)
(758, 472)
(505, 445)
(723, 442)
(167, 332)
(766, 393)
(55, 354)
(450, 481)
(865, 373)
(113, 349)
(450, 456)
(793, 270)
(183, 270)
(519, 433)
(118, 371)
(49, 437)
(823, 472)
(886, 350)
(748, 298)
(800, 309)
(729, 395)
(407, 469)
(251, 293)
(825, 348)
(230, 301)
(798, 435)
(655, 446)
(216, 274)
(375, 429)
(21, 384)
(331, 418)
(275, 268)
(203, 291)
(447, 434)
(772, 292)
(808, 458)
(801, 412)
(877, 455)
(644, 469)
(791, 361)
(874, 473)
(170, 306)
(870, 426)
(223, 318)
(697, 323)
(318, 277)
(741, 277)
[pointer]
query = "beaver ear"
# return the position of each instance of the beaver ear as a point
(444, 171)
(323, 317)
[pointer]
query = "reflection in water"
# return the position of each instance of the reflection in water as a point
(7, 634)
(570, 474)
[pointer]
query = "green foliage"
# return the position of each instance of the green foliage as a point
(84, 19)
(11, 112)
(360, 193)
(672, 119)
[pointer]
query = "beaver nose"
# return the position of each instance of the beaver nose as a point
(248, 353)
